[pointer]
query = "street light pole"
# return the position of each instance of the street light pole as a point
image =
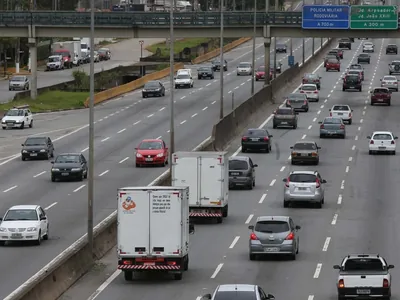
(253, 62)
(91, 134)
(171, 78)
(221, 68)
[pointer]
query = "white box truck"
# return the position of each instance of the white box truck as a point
(207, 176)
(70, 50)
(153, 230)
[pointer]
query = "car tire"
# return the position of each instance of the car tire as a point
(393, 152)
(31, 124)
(343, 89)
(350, 121)
(321, 136)
(220, 220)
(268, 150)
(318, 205)
(274, 126)
(295, 126)
(388, 104)
(250, 186)
(390, 73)
(292, 162)
(285, 204)
(254, 182)
(128, 275)
(316, 162)
(144, 96)
(53, 178)
(372, 103)
(323, 201)
(22, 125)
(225, 211)
(344, 137)
(212, 77)
(86, 175)
(292, 256)
(252, 256)
(360, 89)
(370, 152)
(369, 62)
(81, 177)
(137, 165)
(2, 243)
(306, 110)
(39, 240)
(326, 69)
(244, 150)
(198, 77)
(46, 236)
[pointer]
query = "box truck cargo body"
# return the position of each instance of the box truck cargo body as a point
(207, 176)
(70, 50)
(153, 230)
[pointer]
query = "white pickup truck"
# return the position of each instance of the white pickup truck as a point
(364, 276)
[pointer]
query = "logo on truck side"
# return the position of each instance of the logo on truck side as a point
(128, 204)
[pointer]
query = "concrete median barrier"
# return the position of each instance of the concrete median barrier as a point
(133, 85)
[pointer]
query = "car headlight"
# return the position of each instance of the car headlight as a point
(139, 155)
(43, 150)
(160, 154)
(144, 90)
(24, 151)
(75, 169)
(30, 229)
(158, 89)
(18, 122)
(55, 169)
(2, 229)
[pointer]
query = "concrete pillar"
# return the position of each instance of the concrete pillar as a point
(267, 55)
(33, 56)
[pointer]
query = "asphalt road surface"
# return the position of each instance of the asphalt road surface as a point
(120, 126)
(123, 53)
(360, 214)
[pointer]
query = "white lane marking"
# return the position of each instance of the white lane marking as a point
(322, 106)
(315, 119)
(125, 159)
(107, 138)
(309, 127)
(334, 220)
(317, 270)
(79, 188)
(208, 84)
(161, 109)
(359, 128)
(347, 169)
(104, 173)
(342, 185)
(249, 219)
(10, 189)
(243, 83)
(37, 175)
(262, 198)
(122, 130)
(219, 267)
(104, 285)
(213, 102)
(83, 150)
(283, 168)
(205, 108)
(353, 148)
(318, 112)
(183, 97)
(235, 240)
(326, 244)
(362, 120)
(272, 182)
(303, 137)
(356, 138)
(137, 122)
(149, 116)
(50, 206)
(350, 158)
(183, 122)
(310, 297)
(159, 137)
(339, 199)
(194, 115)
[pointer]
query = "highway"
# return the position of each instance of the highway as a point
(120, 126)
(360, 214)
(124, 53)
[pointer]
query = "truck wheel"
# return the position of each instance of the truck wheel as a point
(340, 297)
(219, 220)
(178, 276)
(2, 243)
(225, 211)
(128, 275)
(186, 263)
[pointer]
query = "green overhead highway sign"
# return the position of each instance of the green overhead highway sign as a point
(374, 17)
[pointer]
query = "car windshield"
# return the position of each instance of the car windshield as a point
(21, 215)
(18, 78)
(297, 97)
(395, 63)
(332, 121)
(183, 76)
(334, 51)
(280, 45)
(54, 59)
(261, 69)
(389, 78)
(352, 78)
(35, 141)
(341, 107)
(204, 69)
(67, 159)
(256, 132)
(151, 84)
(363, 55)
(368, 44)
(284, 112)
(229, 295)
(304, 146)
(272, 226)
(238, 165)
(102, 51)
(308, 88)
(216, 62)
(381, 91)
(244, 65)
(356, 67)
(15, 113)
(382, 137)
(333, 61)
(363, 264)
(150, 145)
(302, 178)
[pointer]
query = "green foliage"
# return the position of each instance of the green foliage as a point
(103, 80)
(246, 5)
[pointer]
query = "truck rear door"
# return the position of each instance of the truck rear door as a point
(166, 223)
(212, 175)
(363, 281)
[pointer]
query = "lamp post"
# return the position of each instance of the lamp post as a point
(171, 78)
(221, 68)
(253, 61)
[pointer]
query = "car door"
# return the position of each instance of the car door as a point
(44, 222)
(50, 146)
(84, 163)
(253, 169)
(161, 86)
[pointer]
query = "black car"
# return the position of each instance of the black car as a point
(352, 82)
(351, 40)
(37, 148)
(281, 48)
(69, 166)
(278, 67)
(345, 43)
(205, 72)
(256, 139)
(364, 58)
(216, 65)
(391, 48)
(153, 88)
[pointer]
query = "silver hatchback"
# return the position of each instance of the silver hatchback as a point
(275, 235)
(304, 186)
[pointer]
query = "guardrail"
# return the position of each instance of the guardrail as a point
(147, 19)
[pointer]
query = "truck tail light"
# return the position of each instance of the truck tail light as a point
(330, 114)
(290, 237)
(172, 263)
(253, 237)
(341, 284)
(302, 91)
(127, 262)
(287, 182)
(385, 283)
(305, 102)
(350, 115)
(315, 92)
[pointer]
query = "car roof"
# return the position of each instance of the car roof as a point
(363, 256)
(380, 87)
(151, 140)
(392, 45)
(305, 142)
(37, 137)
(237, 287)
(308, 84)
(244, 62)
(243, 158)
(381, 132)
(395, 61)
(153, 81)
(15, 207)
(256, 129)
(303, 172)
(310, 74)
(273, 218)
(332, 118)
(355, 70)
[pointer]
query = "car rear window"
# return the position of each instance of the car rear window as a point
(284, 112)
(333, 61)
(381, 91)
(363, 55)
(298, 97)
(272, 226)
(382, 137)
(332, 121)
(304, 146)
(238, 165)
(389, 78)
(352, 77)
(235, 295)
(363, 264)
(341, 107)
(356, 67)
(256, 132)
(302, 178)
(308, 88)
(355, 72)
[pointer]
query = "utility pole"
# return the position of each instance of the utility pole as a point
(221, 68)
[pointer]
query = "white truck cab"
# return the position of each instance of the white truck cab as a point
(55, 62)
(17, 117)
(184, 78)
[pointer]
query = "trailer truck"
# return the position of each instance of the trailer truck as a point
(207, 176)
(153, 230)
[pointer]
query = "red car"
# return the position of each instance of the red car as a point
(340, 53)
(151, 152)
(260, 73)
(381, 95)
(332, 64)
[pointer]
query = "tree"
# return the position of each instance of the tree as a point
(240, 5)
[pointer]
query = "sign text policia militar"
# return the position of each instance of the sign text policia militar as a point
(374, 17)
(325, 17)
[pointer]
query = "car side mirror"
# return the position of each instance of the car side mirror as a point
(330, 109)
(298, 227)
(136, 148)
(22, 145)
(88, 48)
(207, 296)
(52, 162)
(352, 110)
(1, 219)
(323, 181)
(42, 218)
(255, 166)
(251, 227)
(389, 266)
(380, 79)
(336, 267)
(191, 229)
(318, 148)
(191, 77)
(396, 137)
(270, 297)
(368, 137)
(284, 179)
(320, 122)
(270, 135)
(291, 147)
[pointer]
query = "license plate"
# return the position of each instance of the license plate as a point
(340, 114)
(235, 174)
(64, 174)
(302, 188)
(33, 154)
(283, 123)
(382, 148)
(304, 154)
(271, 249)
(149, 263)
(16, 235)
(363, 292)
(352, 87)
(149, 159)
(254, 140)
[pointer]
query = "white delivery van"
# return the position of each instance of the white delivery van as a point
(207, 176)
(153, 230)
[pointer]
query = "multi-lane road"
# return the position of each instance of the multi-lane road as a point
(124, 53)
(120, 126)
(360, 214)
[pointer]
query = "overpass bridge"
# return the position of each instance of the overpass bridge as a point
(34, 24)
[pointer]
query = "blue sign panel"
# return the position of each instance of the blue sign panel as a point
(326, 17)
(291, 60)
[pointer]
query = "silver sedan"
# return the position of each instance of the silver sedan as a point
(390, 82)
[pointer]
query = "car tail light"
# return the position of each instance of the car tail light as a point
(330, 114)
(253, 237)
(392, 143)
(395, 82)
(304, 81)
(266, 139)
(341, 126)
(371, 142)
(315, 154)
(384, 82)
(322, 126)
(287, 182)
(318, 184)
(305, 102)
(290, 237)
(302, 91)
(127, 262)
(294, 153)
(349, 115)
(385, 283)
(315, 92)
(317, 81)
(244, 138)
(341, 284)
(288, 102)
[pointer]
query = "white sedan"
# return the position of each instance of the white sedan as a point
(368, 47)
(244, 68)
(311, 91)
(382, 141)
(342, 111)
(24, 223)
